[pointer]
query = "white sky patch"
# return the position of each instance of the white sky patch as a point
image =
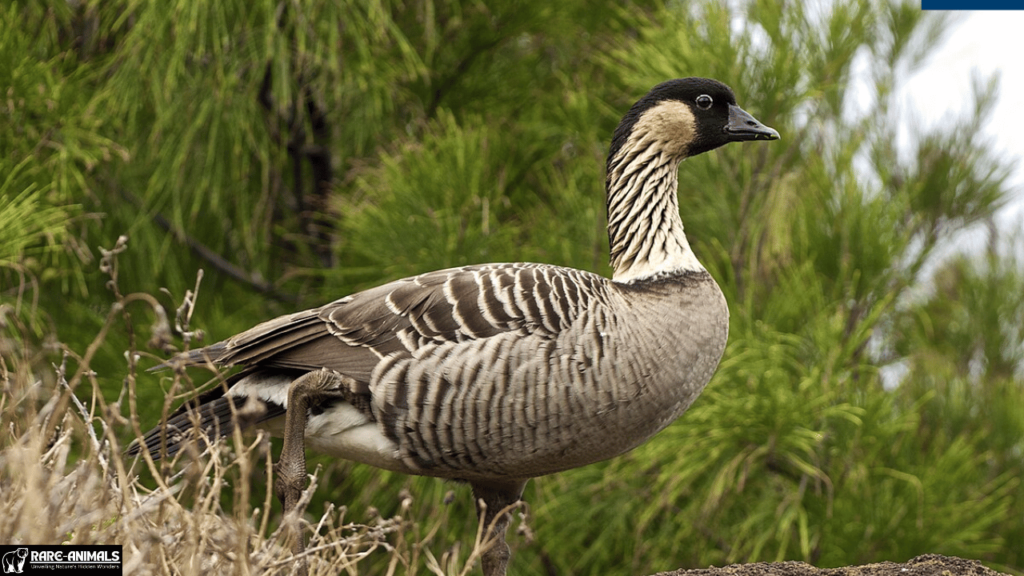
(978, 44)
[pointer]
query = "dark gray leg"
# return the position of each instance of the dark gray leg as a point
(308, 389)
(496, 496)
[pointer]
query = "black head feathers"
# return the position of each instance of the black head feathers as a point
(688, 116)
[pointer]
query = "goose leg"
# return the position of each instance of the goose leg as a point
(308, 389)
(496, 496)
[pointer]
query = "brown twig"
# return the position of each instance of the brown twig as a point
(212, 257)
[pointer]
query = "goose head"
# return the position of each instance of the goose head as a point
(685, 117)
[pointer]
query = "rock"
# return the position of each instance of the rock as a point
(927, 565)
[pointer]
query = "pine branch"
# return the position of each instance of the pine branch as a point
(212, 257)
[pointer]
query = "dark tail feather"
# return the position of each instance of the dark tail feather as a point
(213, 419)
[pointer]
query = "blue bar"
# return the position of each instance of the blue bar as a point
(972, 4)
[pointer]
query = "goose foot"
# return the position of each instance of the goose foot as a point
(310, 388)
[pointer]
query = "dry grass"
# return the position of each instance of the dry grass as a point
(72, 486)
(64, 479)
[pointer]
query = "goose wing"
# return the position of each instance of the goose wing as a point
(402, 321)
(352, 335)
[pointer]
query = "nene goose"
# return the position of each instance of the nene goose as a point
(498, 373)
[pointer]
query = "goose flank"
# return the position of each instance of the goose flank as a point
(497, 373)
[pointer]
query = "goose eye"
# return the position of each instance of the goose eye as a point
(704, 102)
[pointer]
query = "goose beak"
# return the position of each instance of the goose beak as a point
(742, 126)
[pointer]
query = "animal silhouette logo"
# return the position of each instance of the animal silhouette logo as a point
(14, 561)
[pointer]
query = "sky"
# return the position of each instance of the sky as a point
(979, 42)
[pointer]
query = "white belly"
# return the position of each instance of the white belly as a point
(341, 430)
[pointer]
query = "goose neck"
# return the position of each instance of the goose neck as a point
(645, 232)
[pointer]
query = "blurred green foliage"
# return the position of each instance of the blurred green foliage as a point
(869, 406)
